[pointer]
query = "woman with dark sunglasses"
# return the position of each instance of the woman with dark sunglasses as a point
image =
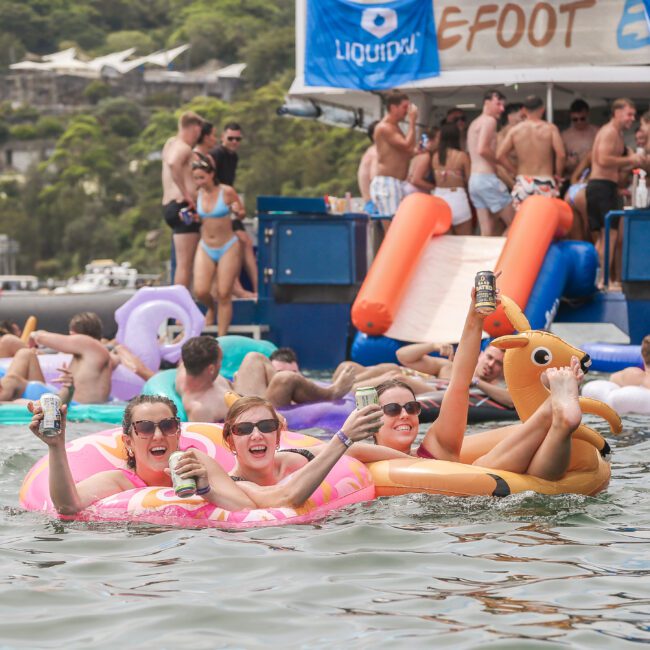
(151, 432)
(541, 446)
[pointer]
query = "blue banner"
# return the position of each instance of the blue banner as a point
(366, 47)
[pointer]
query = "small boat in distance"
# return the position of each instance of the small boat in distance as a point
(102, 275)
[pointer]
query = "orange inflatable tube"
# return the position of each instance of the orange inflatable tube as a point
(418, 218)
(539, 220)
(30, 326)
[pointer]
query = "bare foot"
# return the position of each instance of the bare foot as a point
(344, 383)
(576, 369)
(563, 384)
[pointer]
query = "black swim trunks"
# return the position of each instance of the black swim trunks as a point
(238, 224)
(602, 196)
(173, 220)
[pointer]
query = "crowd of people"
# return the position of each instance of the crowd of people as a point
(485, 169)
(201, 206)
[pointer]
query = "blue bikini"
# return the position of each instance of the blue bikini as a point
(219, 211)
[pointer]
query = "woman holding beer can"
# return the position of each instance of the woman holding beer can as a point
(219, 250)
(150, 431)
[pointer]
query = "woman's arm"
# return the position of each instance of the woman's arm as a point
(419, 171)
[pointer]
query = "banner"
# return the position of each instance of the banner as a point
(478, 34)
(369, 47)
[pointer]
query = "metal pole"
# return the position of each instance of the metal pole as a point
(549, 101)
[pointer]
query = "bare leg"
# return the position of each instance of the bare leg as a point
(464, 228)
(254, 375)
(185, 247)
(288, 387)
(25, 364)
(204, 272)
(10, 344)
(227, 270)
(506, 215)
(485, 222)
(250, 262)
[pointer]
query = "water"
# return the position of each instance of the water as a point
(416, 571)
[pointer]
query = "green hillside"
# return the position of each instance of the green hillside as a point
(99, 193)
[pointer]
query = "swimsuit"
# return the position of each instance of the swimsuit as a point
(215, 254)
(219, 211)
(488, 192)
(134, 478)
(423, 452)
(602, 196)
(526, 186)
(303, 452)
(387, 193)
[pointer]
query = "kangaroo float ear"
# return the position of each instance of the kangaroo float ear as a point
(514, 314)
(510, 341)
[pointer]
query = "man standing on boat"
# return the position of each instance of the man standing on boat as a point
(394, 151)
(579, 137)
(179, 192)
(488, 193)
(540, 154)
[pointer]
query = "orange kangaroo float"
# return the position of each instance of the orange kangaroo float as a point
(528, 354)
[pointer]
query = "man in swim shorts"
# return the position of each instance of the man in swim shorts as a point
(91, 365)
(488, 193)
(179, 192)
(579, 138)
(539, 151)
(636, 376)
(609, 157)
(394, 151)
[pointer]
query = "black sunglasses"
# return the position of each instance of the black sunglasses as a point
(146, 428)
(393, 409)
(234, 138)
(263, 426)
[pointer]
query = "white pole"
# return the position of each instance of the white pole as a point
(549, 101)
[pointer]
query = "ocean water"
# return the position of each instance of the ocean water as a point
(416, 571)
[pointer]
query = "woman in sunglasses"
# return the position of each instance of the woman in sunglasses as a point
(219, 251)
(150, 430)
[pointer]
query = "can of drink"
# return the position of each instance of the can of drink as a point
(186, 215)
(50, 425)
(184, 487)
(365, 395)
(485, 284)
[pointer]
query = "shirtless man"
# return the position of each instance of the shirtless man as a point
(91, 365)
(394, 152)
(488, 193)
(540, 154)
(368, 169)
(488, 376)
(579, 138)
(609, 156)
(179, 192)
(636, 376)
(198, 382)
(514, 113)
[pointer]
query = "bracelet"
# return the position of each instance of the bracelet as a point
(344, 439)
(204, 490)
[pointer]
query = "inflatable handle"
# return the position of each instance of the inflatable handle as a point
(30, 326)
(418, 218)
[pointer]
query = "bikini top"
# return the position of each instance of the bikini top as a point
(220, 209)
(303, 452)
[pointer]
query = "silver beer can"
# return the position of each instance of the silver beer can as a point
(50, 425)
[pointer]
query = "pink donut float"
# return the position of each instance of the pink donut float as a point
(348, 482)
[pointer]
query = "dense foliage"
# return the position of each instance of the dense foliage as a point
(98, 194)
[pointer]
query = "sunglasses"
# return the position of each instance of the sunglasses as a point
(394, 409)
(263, 426)
(234, 138)
(146, 428)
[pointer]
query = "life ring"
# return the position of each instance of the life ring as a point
(623, 399)
(139, 319)
(348, 482)
(109, 413)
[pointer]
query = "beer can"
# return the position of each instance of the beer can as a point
(184, 487)
(50, 425)
(186, 215)
(365, 395)
(485, 284)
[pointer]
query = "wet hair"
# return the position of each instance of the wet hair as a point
(88, 323)
(206, 129)
(622, 102)
(242, 405)
(371, 130)
(393, 383)
(579, 106)
(449, 139)
(287, 355)
(204, 163)
(127, 419)
(199, 352)
(489, 94)
(395, 98)
(190, 118)
(533, 103)
(645, 350)
(232, 126)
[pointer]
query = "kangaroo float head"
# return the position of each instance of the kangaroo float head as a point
(530, 352)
